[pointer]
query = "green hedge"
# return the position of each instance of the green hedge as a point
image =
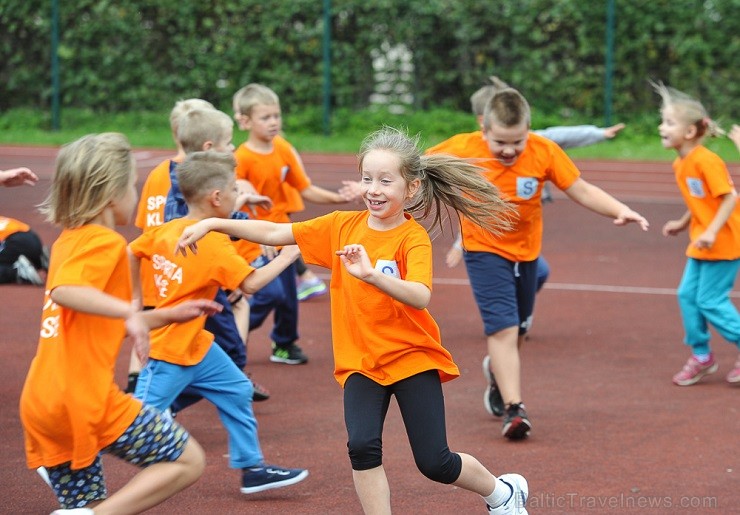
(144, 54)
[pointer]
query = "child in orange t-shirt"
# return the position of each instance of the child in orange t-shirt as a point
(192, 133)
(22, 254)
(385, 341)
(503, 268)
(713, 222)
(185, 354)
(71, 408)
(271, 166)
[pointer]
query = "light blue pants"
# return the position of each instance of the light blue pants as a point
(704, 297)
(219, 380)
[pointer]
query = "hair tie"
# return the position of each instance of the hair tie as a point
(706, 121)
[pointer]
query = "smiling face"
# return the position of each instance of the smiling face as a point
(384, 189)
(507, 143)
(675, 132)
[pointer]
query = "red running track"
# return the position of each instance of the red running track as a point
(611, 433)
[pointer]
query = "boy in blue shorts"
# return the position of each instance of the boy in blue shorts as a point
(185, 354)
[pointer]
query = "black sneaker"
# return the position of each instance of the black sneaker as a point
(492, 399)
(266, 477)
(516, 423)
(26, 273)
(259, 392)
(289, 354)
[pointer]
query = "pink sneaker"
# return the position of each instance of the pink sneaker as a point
(734, 376)
(693, 370)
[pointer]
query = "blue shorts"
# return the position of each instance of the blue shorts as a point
(151, 438)
(504, 290)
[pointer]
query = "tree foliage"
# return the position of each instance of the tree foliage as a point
(144, 54)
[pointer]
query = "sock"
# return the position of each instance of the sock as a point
(702, 358)
(500, 494)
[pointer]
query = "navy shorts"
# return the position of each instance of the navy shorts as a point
(504, 290)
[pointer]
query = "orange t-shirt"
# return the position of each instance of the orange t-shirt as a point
(10, 226)
(150, 213)
(71, 407)
(269, 173)
(521, 184)
(180, 278)
(372, 333)
(703, 179)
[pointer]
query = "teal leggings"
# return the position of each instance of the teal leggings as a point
(704, 297)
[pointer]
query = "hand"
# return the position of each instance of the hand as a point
(454, 256)
(350, 191)
(610, 132)
(262, 201)
(705, 240)
(673, 227)
(356, 261)
(18, 177)
(189, 237)
(137, 330)
(269, 252)
(627, 216)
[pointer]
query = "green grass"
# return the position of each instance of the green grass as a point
(639, 141)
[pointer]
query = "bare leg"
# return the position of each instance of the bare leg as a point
(475, 477)
(156, 483)
(503, 348)
(373, 490)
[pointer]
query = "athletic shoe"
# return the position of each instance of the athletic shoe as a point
(734, 376)
(259, 392)
(290, 355)
(26, 273)
(492, 399)
(266, 477)
(694, 370)
(311, 288)
(517, 503)
(516, 422)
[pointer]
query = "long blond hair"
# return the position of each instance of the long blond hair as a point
(690, 110)
(90, 173)
(447, 182)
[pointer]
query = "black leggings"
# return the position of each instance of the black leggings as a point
(421, 402)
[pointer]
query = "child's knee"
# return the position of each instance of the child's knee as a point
(365, 454)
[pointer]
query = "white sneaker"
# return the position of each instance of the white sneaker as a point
(516, 505)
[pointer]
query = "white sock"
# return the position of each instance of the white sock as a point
(500, 494)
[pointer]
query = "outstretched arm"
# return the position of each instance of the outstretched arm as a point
(599, 201)
(356, 261)
(18, 177)
(258, 231)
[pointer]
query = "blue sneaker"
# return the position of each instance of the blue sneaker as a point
(311, 288)
(266, 477)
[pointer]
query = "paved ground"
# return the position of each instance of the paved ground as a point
(611, 433)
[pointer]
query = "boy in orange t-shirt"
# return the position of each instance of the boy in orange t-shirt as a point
(269, 165)
(385, 341)
(192, 134)
(185, 354)
(71, 408)
(503, 268)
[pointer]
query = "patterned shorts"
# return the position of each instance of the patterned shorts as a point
(151, 438)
